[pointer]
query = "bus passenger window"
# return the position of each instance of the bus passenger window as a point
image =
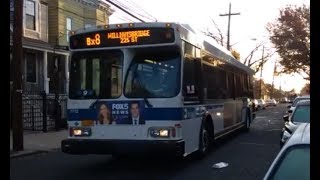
(190, 91)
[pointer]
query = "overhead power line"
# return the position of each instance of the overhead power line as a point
(124, 10)
(134, 10)
(141, 9)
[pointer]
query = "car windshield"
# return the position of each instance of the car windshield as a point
(154, 73)
(301, 114)
(95, 74)
(294, 104)
(294, 164)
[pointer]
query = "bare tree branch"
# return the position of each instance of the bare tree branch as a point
(217, 37)
(210, 34)
(264, 60)
(219, 31)
(247, 60)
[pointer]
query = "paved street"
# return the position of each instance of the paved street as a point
(248, 154)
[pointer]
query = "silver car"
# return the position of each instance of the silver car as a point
(301, 114)
(293, 160)
(295, 101)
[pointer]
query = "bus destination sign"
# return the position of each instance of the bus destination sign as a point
(122, 37)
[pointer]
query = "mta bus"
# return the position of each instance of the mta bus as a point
(158, 88)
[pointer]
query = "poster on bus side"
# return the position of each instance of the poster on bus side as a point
(120, 112)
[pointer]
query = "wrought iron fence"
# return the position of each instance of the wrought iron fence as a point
(42, 112)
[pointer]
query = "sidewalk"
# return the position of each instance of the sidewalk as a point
(39, 142)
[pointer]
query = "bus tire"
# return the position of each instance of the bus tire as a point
(204, 140)
(248, 122)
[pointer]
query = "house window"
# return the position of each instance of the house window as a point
(30, 15)
(31, 68)
(68, 27)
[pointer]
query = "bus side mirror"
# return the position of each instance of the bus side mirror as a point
(286, 118)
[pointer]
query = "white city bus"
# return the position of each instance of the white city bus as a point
(152, 88)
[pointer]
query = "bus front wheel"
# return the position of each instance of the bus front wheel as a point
(248, 123)
(204, 140)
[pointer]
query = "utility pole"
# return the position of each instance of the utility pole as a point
(274, 74)
(262, 62)
(229, 18)
(17, 125)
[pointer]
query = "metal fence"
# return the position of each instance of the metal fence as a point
(42, 112)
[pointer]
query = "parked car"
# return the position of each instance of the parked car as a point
(301, 114)
(291, 99)
(254, 103)
(271, 102)
(260, 104)
(284, 100)
(296, 100)
(293, 160)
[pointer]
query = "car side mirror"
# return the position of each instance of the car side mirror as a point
(289, 106)
(290, 111)
(286, 118)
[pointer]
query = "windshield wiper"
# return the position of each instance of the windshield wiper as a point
(147, 102)
(143, 89)
(94, 103)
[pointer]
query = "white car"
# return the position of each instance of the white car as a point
(293, 160)
(295, 101)
(260, 104)
(271, 102)
(300, 115)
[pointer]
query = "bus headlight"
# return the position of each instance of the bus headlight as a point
(80, 131)
(162, 132)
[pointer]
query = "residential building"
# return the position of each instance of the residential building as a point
(46, 24)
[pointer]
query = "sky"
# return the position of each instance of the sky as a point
(249, 25)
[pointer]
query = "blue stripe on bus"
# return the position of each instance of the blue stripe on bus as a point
(164, 114)
(148, 114)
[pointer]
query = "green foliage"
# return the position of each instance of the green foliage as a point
(290, 34)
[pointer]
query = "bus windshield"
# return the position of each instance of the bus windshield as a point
(96, 74)
(153, 74)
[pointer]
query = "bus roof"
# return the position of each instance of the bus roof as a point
(187, 33)
(211, 46)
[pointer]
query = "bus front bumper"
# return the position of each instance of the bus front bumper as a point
(153, 147)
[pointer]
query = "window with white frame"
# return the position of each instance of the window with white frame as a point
(68, 27)
(30, 15)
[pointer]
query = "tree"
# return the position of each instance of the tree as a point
(290, 34)
(218, 36)
(305, 89)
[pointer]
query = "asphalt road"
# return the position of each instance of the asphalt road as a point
(249, 155)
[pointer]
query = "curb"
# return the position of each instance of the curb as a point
(32, 152)
(23, 154)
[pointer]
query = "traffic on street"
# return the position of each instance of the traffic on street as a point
(248, 155)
